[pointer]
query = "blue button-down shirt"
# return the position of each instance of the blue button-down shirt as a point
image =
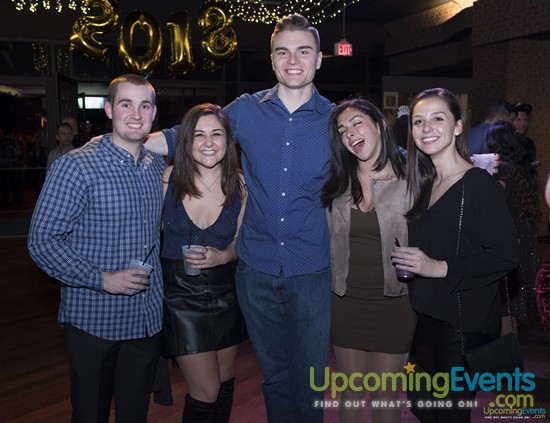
(285, 159)
(99, 209)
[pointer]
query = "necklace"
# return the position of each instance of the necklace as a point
(379, 175)
(208, 188)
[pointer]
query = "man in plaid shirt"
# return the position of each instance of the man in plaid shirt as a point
(100, 208)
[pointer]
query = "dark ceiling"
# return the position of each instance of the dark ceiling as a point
(362, 24)
(49, 24)
(384, 11)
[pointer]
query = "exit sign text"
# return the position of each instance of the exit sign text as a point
(343, 49)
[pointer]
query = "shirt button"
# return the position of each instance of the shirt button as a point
(283, 194)
(290, 119)
(285, 169)
(287, 143)
(282, 219)
(282, 243)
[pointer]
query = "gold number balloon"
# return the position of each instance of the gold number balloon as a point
(182, 55)
(87, 27)
(219, 39)
(140, 20)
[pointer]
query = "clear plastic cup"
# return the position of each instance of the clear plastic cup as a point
(138, 264)
(189, 268)
(485, 161)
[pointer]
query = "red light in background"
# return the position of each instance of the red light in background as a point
(343, 48)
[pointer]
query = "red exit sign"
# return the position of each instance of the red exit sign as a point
(343, 48)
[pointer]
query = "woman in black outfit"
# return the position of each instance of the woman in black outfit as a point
(204, 197)
(519, 179)
(439, 172)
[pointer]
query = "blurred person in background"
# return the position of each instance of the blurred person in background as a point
(519, 179)
(64, 137)
(521, 123)
(496, 111)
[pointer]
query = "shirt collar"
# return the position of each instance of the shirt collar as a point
(315, 103)
(120, 155)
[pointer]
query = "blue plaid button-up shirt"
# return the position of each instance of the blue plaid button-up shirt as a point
(99, 209)
(285, 158)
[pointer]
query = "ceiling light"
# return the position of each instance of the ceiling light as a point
(269, 12)
(32, 5)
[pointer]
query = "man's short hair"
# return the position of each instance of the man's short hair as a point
(295, 22)
(130, 78)
(499, 108)
(64, 125)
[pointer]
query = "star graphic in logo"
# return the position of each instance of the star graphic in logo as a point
(409, 367)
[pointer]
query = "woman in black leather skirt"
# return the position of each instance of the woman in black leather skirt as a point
(204, 198)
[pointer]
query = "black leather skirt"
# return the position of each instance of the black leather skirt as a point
(201, 313)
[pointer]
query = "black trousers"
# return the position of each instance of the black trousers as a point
(102, 370)
(436, 347)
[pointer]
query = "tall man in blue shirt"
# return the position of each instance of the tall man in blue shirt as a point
(283, 278)
(100, 208)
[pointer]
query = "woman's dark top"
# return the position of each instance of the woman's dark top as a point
(180, 230)
(488, 250)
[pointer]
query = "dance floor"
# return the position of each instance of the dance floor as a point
(34, 383)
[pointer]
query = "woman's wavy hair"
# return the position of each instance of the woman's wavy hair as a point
(185, 167)
(503, 139)
(420, 169)
(343, 164)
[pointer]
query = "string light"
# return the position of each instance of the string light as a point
(62, 59)
(32, 5)
(256, 11)
(40, 56)
(269, 12)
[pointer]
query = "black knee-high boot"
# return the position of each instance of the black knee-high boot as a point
(224, 403)
(196, 411)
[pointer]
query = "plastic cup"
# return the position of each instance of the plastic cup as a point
(404, 275)
(138, 264)
(485, 161)
(190, 270)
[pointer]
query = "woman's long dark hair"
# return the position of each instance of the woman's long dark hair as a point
(185, 167)
(503, 139)
(343, 164)
(420, 169)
